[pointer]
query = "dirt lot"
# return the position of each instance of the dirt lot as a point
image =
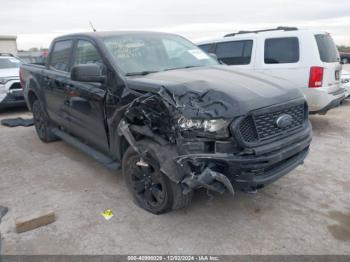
(305, 212)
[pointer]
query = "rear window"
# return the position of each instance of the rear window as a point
(235, 52)
(60, 55)
(327, 49)
(281, 50)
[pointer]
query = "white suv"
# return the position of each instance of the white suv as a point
(11, 93)
(307, 58)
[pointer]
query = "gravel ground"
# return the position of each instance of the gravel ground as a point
(305, 212)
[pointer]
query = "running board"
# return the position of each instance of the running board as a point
(98, 156)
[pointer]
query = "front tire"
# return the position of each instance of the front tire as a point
(345, 61)
(151, 189)
(42, 123)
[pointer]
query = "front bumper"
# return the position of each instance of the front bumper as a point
(264, 165)
(11, 94)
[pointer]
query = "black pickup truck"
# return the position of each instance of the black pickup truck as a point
(169, 115)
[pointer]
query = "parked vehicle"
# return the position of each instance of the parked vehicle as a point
(307, 58)
(11, 93)
(345, 79)
(345, 58)
(169, 115)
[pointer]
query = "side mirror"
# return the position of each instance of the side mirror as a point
(87, 73)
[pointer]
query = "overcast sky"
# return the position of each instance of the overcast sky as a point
(36, 22)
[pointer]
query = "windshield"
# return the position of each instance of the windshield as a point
(9, 62)
(146, 53)
(327, 48)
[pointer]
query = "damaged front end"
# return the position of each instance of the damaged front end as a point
(200, 145)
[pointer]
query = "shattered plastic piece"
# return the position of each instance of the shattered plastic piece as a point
(107, 214)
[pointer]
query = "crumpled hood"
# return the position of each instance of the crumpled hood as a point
(9, 72)
(216, 91)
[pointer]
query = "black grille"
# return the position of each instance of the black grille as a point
(247, 129)
(263, 126)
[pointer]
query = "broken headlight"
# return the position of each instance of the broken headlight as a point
(217, 127)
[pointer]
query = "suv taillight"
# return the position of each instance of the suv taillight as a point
(316, 77)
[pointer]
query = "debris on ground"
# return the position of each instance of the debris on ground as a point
(34, 221)
(3, 211)
(18, 121)
(107, 214)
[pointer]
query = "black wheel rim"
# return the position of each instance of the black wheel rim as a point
(147, 183)
(39, 122)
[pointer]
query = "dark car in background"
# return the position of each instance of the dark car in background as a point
(344, 58)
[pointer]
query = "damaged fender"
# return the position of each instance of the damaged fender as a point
(164, 153)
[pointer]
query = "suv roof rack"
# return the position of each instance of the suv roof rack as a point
(283, 28)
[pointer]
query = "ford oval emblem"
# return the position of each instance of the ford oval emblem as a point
(284, 120)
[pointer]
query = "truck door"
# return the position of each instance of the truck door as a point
(86, 100)
(56, 78)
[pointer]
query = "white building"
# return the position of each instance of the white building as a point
(8, 44)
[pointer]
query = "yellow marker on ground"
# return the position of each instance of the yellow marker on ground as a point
(107, 214)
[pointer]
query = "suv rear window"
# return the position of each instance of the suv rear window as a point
(60, 55)
(327, 49)
(235, 52)
(281, 50)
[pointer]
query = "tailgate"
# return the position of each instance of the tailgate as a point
(331, 76)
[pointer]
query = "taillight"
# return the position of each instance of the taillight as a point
(21, 78)
(316, 77)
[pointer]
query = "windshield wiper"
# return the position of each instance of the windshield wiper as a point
(142, 73)
(183, 67)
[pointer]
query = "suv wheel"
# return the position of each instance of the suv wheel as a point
(345, 61)
(42, 123)
(151, 189)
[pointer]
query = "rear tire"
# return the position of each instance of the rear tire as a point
(42, 123)
(345, 61)
(151, 189)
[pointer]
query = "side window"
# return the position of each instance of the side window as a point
(86, 53)
(60, 55)
(206, 48)
(281, 50)
(235, 52)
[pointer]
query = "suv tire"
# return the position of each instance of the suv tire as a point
(151, 189)
(42, 123)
